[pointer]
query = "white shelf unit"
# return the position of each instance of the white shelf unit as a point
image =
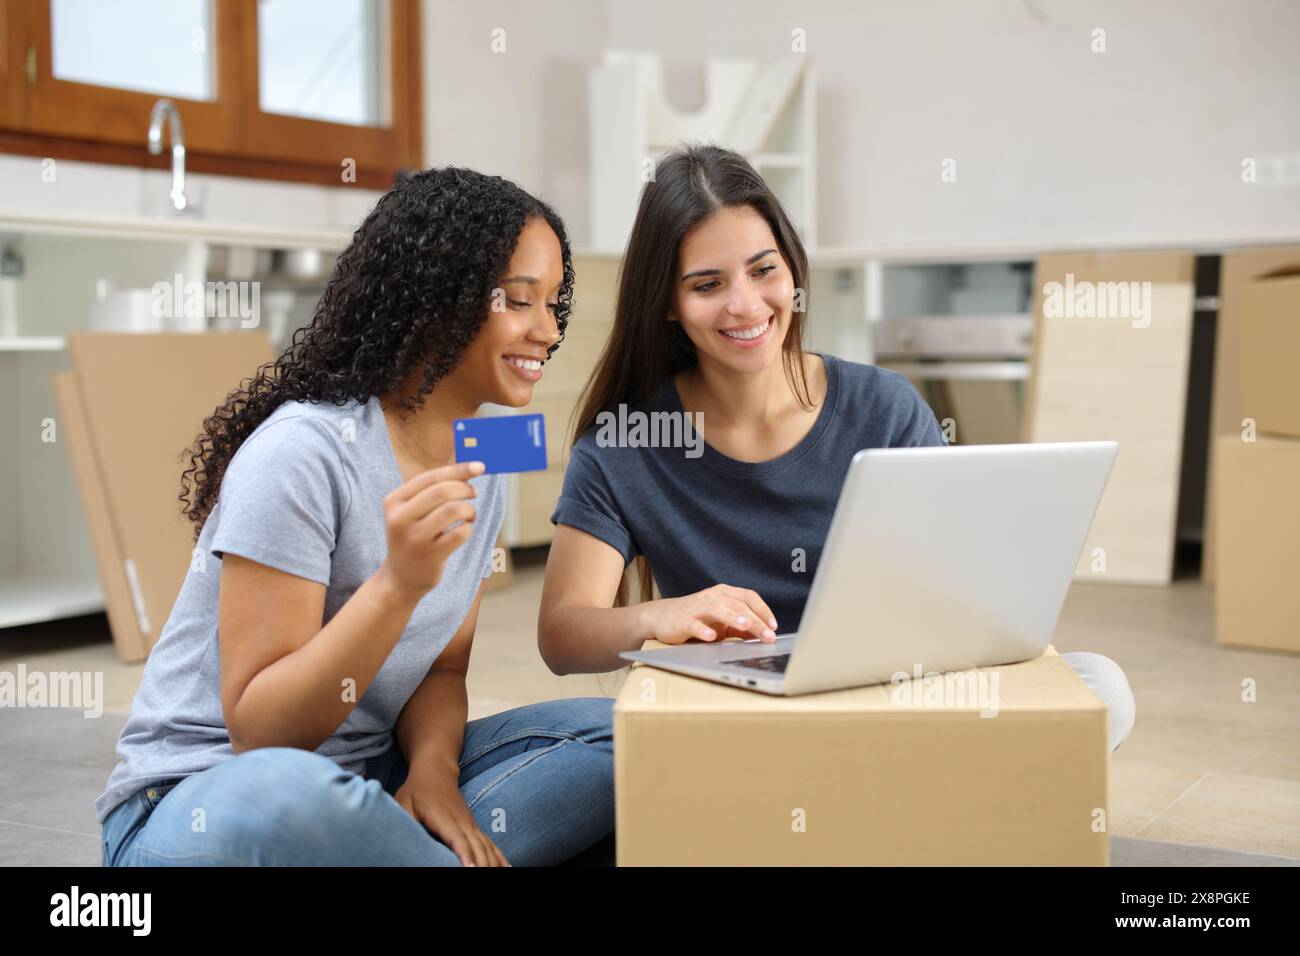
(765, 111)
(47, 566)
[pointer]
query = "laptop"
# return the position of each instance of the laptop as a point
(942, 559)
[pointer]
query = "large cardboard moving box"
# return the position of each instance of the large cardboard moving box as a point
(1257, 530)
(1270, 354)
(1239, 268)
(905, 774)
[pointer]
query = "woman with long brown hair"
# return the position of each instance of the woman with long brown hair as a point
(727, 517)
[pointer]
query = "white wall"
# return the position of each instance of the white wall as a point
(1053, 143)
(521, 114)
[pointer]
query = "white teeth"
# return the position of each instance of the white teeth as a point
(751, 334)
(531, 364)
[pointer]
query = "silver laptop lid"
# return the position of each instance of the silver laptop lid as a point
(947, 558)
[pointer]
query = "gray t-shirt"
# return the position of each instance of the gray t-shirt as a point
(305, 494)
(701, 521)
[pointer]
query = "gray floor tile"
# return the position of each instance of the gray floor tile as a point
(61, 734)
(1128, 851)
(50, 793)
(34, 846)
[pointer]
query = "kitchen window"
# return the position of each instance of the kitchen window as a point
(312, 90)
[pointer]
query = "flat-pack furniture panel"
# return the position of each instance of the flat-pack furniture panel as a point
(143, 401)
(1112, 344)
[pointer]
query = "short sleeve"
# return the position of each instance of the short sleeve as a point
(920, 428)
(283, 498)
(587, 503)
(494, 510)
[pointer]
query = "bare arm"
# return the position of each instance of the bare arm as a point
(431, 727)
(286, 680)
(431, 734)
(282, 674)
(579, 631)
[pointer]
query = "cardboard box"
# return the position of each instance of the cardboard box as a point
(1239, 268)
(1257, 552)
(1270, 354)
(908, 774)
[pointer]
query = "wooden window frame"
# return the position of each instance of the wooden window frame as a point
(44, 116)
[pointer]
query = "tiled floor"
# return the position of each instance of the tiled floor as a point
(1204, 778)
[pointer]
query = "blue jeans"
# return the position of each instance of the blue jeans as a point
(538, 779)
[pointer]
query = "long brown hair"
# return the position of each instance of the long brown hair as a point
(690, 184)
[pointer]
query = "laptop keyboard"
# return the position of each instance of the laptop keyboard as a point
(776, 663)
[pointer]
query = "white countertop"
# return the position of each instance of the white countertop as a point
(116, 202)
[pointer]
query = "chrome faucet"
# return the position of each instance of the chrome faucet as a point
(166, 109)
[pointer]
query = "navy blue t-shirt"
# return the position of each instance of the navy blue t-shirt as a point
(711, 519)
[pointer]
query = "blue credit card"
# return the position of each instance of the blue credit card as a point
(504, 443)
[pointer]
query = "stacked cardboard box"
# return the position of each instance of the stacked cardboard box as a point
(1257, 478)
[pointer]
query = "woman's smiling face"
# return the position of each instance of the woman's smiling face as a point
(734, 290)
(505, 359)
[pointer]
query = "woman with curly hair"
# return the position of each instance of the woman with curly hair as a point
(305, 703)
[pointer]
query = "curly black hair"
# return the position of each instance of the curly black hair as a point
(412, 289)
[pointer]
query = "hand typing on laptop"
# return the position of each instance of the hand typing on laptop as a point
(713, 614)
